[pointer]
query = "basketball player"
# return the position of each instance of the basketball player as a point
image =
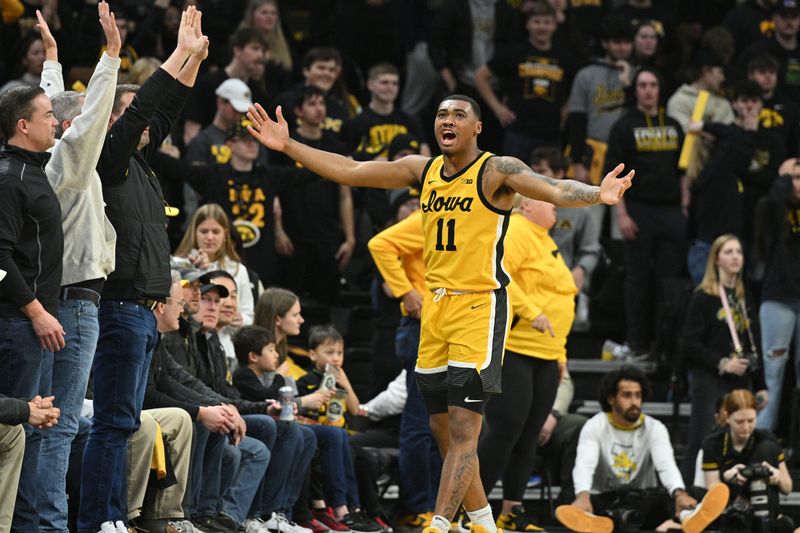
(466, 201)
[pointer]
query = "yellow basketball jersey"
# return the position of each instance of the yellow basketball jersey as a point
(463, 232)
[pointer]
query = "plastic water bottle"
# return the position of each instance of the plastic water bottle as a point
(286, 397)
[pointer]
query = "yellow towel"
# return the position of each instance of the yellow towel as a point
(159, 463)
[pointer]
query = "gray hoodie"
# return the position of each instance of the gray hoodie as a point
(89, 238)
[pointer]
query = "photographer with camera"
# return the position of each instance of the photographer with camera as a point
(622, 456)
(751, 463)
(716, 327)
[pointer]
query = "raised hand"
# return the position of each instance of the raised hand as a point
(273, 135)
(186, 30)
(109, 24)
(198, 46)
(50, 47)
(612, 188)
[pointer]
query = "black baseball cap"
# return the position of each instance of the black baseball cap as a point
(401, 142)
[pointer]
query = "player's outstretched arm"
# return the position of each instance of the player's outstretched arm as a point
(334, 167)
(564, 193)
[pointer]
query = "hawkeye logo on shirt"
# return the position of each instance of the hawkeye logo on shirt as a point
(663, 139)
(770, 118)
(221, 153)
(608, 99)
(447, 203)
(624, 465)
(248, 210)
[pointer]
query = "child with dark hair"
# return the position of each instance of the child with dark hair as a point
(326, 351)
(256, 355)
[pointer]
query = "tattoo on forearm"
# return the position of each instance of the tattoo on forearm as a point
(575, 191)
(464, 472)
(508, 165)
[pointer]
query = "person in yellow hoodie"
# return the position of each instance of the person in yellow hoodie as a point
(542, 295)
(397, 252)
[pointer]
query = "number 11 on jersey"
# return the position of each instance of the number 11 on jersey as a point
(451, 235)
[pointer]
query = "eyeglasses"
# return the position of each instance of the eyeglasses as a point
(179, 303)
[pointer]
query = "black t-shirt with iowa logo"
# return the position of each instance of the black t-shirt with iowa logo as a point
(651, 145)
(370, 133)
(536, 83)
(246, 197)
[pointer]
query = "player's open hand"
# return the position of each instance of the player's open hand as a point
(273, 135)
(612, 187)
(109, 24)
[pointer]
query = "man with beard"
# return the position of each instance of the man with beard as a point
(620, 451)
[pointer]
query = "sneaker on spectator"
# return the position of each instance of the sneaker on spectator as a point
(120, 527)
(278, 523)
(714, 502)
(255, 525)
(418, 520)
(576, 519)
(108, 527)
(357, 522)
(383, 523)
(315, 526)
(516, 520)
(185, 526)
(217, 524)
(326, 517)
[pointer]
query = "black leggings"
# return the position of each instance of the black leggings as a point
(513, 421)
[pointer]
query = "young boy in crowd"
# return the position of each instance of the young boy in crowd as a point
(326, 347)
(257, 356)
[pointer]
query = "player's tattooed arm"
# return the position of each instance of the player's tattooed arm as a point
(519, 177)
(515, 175)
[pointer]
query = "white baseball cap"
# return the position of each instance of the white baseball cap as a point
(237, 93)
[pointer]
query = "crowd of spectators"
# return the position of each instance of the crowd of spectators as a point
(111, 327)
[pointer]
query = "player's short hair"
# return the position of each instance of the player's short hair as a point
(555, 158)
(745, 89)
(15, 104)
(610, 384)
(379, 69)
(321, 53)
(464, 98)
(323, 334)
(251, 339)
(307, 93)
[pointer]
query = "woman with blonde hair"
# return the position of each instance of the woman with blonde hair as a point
(718, 342)
(209, 245)
(264, 17)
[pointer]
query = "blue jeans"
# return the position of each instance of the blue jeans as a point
(125, 348)
(338, 475)
(780, 323)
(71, 366)
(290, 451)
(419, 459)
(205, 471)
(696, 260)
(25, 371)
(253, 457)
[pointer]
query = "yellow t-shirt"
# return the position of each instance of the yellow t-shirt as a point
(463, 232)
(397, 252)
(542, 283)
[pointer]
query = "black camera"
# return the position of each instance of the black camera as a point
(626, 519)
(755, 472)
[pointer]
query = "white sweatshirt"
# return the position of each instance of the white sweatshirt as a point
(89, 237)
(610, 457)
